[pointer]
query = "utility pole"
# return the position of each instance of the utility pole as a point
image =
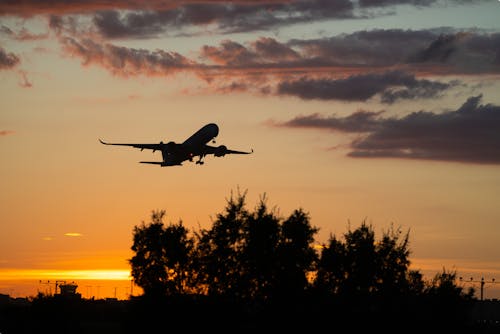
(482, 282)
(88, 294)
(47, 283)
(57, 284)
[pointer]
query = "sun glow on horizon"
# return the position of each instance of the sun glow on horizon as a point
(99, 274)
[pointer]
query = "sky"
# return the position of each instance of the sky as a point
(378, 111)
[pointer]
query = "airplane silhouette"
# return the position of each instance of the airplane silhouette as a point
(195, 146)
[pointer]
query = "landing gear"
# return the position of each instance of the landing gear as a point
(200, 162)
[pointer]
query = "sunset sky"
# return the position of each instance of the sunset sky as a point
(384, 111)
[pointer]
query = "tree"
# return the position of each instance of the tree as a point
(392, 263)
(259, 251)
(296, 254)
(162, 256)
(443, 286)
(256, 255)
(361, 257)
(218, 250)
(362, 266)
(331, 268)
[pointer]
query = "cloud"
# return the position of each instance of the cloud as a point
(360, 121)
(25, 82)
(464, 52)
(5, 132)
(421, 51)
(8, 60)
(139, 19)
(226, 17)
(437, 51)
(391, 85)
(469, 134)
(126, 61)
(386, 64)
(28, 8)
(73, 234)
(22, 35)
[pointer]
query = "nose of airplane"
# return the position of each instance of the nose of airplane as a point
(214, 129)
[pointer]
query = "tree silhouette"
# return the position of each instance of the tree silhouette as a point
(260, 251)
(297, 256)
(219, 249)
(256, 255)
(257, 267)
(362, 266)
(162, 256)
(255, 270)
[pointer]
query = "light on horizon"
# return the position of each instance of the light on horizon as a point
(98, 274)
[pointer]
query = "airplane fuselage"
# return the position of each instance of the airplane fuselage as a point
(191, 147)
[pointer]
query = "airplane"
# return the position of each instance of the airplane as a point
(174, 154)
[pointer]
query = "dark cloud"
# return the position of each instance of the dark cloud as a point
(442, 51)
(228, 17)
(462, 52)
(417, 3)
(469, 134)
(143, 19)
(139, 19)
(8, 60)
(361, 121)
(388, 64)
(36, 7)
(392, 86)
(382, 3)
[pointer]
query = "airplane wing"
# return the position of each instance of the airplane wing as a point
(153, 147)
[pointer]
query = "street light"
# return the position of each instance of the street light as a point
(482, 282)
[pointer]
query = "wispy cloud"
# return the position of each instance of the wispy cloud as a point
(469, 134)
(8, 60)
(22, 35)
(73, 234)
(126, 61)
(25, 82)
(5, 132)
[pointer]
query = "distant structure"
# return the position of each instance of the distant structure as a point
(68, 289)
(482, 282)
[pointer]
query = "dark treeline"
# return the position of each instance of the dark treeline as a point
(254, 270)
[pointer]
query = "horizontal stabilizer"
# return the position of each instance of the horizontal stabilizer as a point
(151, 162)
(161, 163)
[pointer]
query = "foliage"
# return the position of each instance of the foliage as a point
(162, 256)
(360, 265)
(255, 254)
(261, 258)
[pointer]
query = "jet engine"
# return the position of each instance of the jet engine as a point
(220, 151)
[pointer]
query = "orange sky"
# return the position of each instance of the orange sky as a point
(313, 98)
